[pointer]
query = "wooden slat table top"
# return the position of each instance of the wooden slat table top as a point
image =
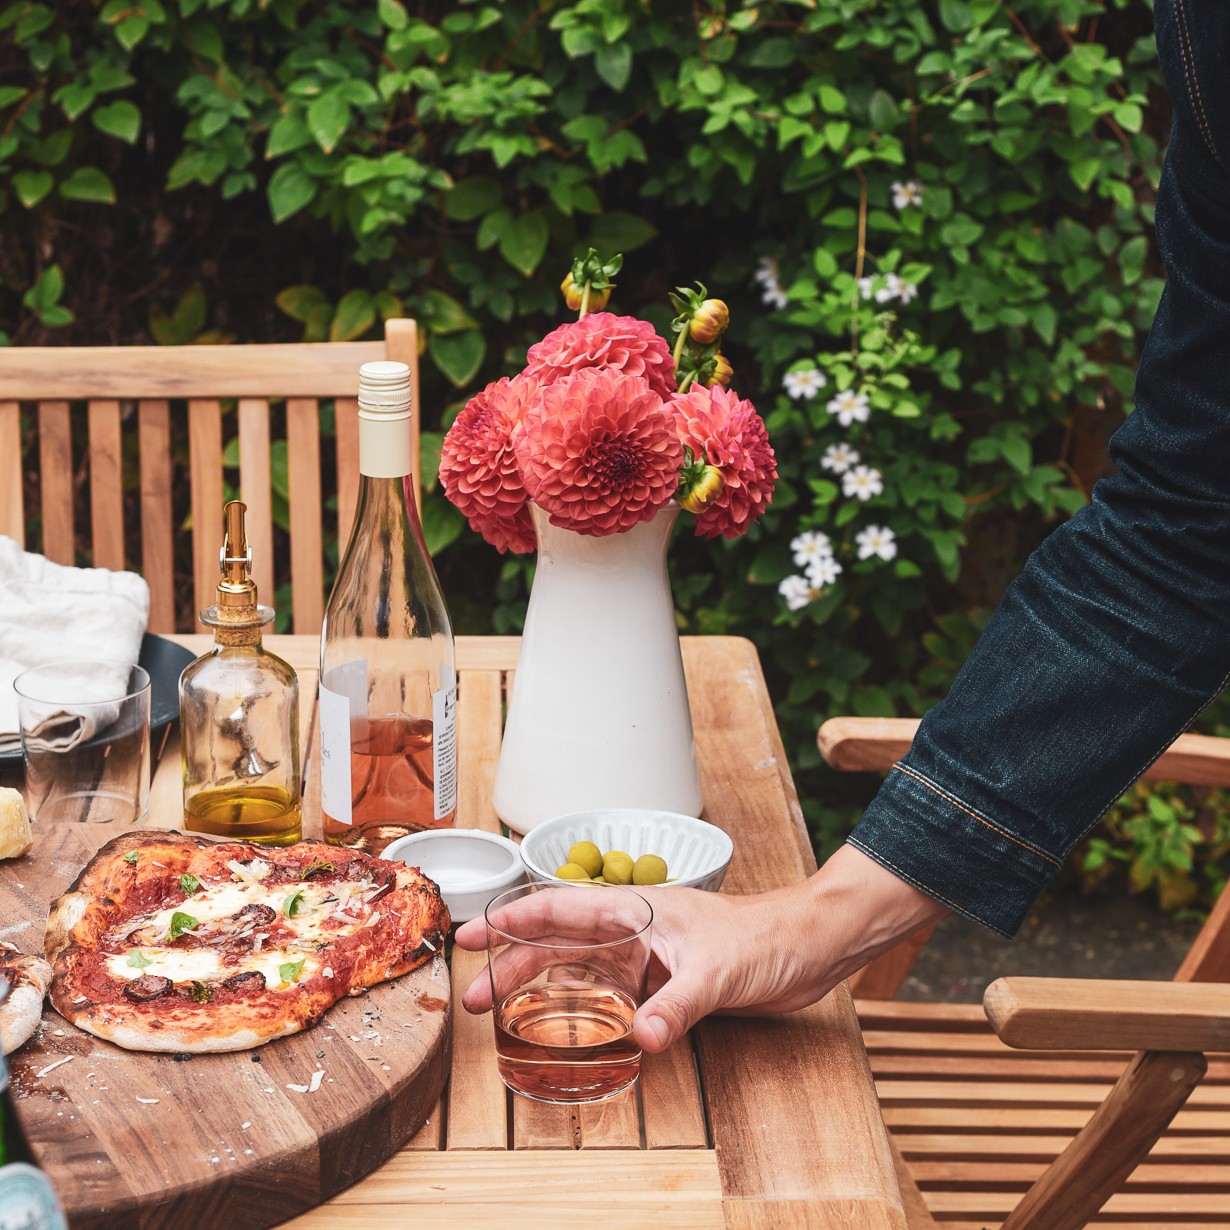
(757, 1123)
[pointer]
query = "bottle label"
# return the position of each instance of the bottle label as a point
(444, 744)
(27, 1200)
(343, 693)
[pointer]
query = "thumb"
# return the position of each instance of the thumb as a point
(666, 1016)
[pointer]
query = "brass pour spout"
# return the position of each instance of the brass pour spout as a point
(235, 559)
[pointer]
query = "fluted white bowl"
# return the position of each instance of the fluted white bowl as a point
(469, 866)
(697, 853)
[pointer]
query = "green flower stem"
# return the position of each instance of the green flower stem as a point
(584, 301)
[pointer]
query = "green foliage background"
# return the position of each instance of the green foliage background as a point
(250, 170)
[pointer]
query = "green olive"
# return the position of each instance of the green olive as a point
(649, 869)
(617, 868)
(587, 855)
(570, 871)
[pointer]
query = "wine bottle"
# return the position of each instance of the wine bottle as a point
(239, 714)
(388, 684)
(27, 1199)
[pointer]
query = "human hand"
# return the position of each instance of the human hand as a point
(772, 952)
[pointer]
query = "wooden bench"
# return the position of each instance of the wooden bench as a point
(144, 458)
(1060, 1102)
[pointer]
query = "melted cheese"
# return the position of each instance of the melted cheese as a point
(204, 965)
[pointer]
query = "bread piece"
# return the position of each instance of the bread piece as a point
(15, 835)
(22, 1009)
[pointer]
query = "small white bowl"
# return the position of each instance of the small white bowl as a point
(469, 865)
(697, 854)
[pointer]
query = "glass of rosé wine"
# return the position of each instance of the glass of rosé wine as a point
(567, 965)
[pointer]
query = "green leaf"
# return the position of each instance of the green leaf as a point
(442, 313)
(32, 186)
(181, 922)
(356, 313)
(299, 302)
(327, 119)
(613, 64)
(884, 110)
(131, 858)
(287, 134)
(88, 184)
(523, 243)
(129, 33)
(392, 13)
(290, 189)
(119, 119)
(1084, 172)
(46, 291)
(1045, 320)
(471, 198)
(321, 865)
(184, 323)
(290, 971)
(905, 569)
(620, 232)
(458, 355)
(293, 904)
(189, 883)
(136, 958)
(832, 100)
(442, 525)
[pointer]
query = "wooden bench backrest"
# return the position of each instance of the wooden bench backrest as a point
(144, 387)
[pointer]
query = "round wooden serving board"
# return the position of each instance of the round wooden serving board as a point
(151, 1141)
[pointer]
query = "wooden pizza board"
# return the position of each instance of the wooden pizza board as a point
(151, 1141)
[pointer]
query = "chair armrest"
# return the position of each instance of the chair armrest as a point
(1096, 1014)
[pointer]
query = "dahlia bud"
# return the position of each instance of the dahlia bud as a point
(709, 321)
(720, 372)
(574, 294)
(705, 488)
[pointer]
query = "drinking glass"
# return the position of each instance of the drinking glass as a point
(85, 740)
(567, 966)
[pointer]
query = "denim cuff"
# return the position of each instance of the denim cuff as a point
(927, 836)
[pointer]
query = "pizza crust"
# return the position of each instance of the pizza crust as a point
(404, 930)
(22, 1008)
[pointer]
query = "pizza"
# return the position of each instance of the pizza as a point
(23, 986)
(173, 942)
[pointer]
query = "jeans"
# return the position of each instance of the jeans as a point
(1117, 632)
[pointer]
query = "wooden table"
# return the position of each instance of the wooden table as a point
(754, 1123)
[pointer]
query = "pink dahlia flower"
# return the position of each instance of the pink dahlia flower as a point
(715, 424)
(601, 339)
(478, 468)
(599, 452)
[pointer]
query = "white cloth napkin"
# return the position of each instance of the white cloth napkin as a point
(53, 613)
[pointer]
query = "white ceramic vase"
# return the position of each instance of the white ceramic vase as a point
(599, 711)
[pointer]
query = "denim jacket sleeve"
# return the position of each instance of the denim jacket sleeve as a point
(1117, 632)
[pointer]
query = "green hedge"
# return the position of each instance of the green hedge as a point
(213, 170)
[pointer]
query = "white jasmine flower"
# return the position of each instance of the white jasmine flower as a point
(907, 194)
(863, 482)
(797, 591)
(907, 292)
(775, 297)
(766, 271)
(876, 540)
(822, 572)
(839, 458)
(890, 290)
(806, 383)
(849, 407)
(809, 546)
(864, 287)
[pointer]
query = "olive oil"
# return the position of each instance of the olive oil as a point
(265, 814)
(239, 715)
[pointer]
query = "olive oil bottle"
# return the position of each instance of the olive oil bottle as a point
(239, 715)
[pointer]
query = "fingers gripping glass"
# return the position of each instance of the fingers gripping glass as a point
(567, 966)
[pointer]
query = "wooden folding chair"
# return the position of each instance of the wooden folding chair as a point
(141, 401)
(1061, 1102)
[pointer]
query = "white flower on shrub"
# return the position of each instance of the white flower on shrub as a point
(766, 271)
(907, 194)
(805, 383)
(864, 287)
(849, 407)
(890, 290)
(809, 546)
(797, 591)
(839, 458)
(771, 292)
(876, 540)
(907, 292)
(775, 297)
(862, 482)
(821, 572)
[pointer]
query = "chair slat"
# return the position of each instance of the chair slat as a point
(303, 469)
(106, 484)
(157, 513)
(55, 462)
(346, 418)
(12, 518)
(256, 490)
(205, 463)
